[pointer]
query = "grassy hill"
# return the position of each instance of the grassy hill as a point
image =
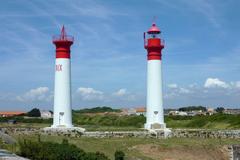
(133, 122)
(97, 110)
(216, 121)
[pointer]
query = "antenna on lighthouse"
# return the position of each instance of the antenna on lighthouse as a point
(63, 36)
(63, 33)
(154, 19)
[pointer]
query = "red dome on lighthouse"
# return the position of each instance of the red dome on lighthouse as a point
(154, 29)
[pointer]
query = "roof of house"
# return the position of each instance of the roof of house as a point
(142, 109)
(11, 113)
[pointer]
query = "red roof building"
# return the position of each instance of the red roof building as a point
(10, 113)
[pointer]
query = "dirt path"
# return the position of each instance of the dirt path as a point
(182, 153)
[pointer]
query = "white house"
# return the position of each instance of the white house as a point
(46, 114)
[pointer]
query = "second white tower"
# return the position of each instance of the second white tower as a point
(154, 46)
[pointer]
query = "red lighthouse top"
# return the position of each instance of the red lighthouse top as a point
(63, 36)
(154, 29)
(63, 43)
(153, 44)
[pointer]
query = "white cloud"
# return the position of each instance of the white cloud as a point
(226, 93)
(169, 95)
(89, 94)
(176, 91)
(120, 92)
(237, 84)
(194, 85)
(117, 98)
(37, 94)
(123, 95)
(184, 90)
(173, 85)
(215, 83)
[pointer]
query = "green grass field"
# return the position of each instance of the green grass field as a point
(146, 149)
(116, 123)
(149, 149)
(216, 121)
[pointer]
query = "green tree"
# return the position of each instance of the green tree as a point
(220, 109)
(193, 108)
(35, 112)
(119, 155)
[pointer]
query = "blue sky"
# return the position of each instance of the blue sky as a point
(201, 62)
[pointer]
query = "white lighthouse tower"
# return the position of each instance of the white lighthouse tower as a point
(62, 91)
(154, 45)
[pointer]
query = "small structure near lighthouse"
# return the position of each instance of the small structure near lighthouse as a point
(154, 45)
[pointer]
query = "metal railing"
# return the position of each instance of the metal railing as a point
(63, 38)
(146, 37)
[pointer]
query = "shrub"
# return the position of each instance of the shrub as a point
(119, 155)
(193, 108)
(198, 123)
(55, 151)
(97, 110)
(109, 120)
(34, 113)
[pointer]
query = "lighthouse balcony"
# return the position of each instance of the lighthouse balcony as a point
(63, 38)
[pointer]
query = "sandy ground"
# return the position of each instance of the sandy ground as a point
(182, 153)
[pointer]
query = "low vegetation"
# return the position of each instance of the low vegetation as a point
(192, 108)
(109, 120)
(133, 122)
(56, 151)
(143, 148)
(97, 110)
(119, 155)
(22, 119)
(216, 121)
(35, 112)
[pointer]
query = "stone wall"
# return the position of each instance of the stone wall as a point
(178, 133)
(234, 152)
(119, 134)
(205, 133)
(12, 130)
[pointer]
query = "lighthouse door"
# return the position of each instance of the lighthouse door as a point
(155, 116)
(60, 118)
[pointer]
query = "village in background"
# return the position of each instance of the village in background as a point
(183, 111)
